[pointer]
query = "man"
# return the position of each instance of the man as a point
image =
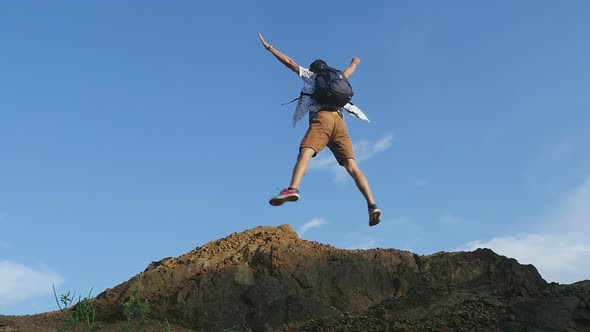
(326, 128)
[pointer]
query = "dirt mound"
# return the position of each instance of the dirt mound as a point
(267, 278)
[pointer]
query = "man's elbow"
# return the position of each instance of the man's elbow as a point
(294, 67)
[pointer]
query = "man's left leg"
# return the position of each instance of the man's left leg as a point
(341, 146)
(360, 179)
(363, 185)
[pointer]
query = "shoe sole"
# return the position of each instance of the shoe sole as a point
(280, 200)
(375, 218)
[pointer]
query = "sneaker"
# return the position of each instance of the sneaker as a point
(374, 215)
(286, 195)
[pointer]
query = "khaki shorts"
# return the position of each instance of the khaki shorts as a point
(327, 128)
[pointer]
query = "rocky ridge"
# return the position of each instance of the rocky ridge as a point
(269, 279)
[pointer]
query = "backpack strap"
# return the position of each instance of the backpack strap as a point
(300, 94)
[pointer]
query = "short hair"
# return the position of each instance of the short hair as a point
(316, 65)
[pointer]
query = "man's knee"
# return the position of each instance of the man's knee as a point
(306, 153)
(350, 166)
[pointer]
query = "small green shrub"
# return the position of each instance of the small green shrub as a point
(136, 309)
(82, 313)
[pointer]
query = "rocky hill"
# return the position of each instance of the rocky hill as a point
(268, 279)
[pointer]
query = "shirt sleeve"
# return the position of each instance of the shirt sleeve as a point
(306, 74)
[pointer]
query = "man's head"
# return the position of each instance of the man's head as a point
(317, 65)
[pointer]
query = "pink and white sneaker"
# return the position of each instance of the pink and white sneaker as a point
(286, 195)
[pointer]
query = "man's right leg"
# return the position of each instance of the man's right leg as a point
(303, 159)
(314, 141)
(291, 194)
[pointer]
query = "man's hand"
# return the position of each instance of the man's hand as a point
(284, 59)
(264, 42)
(353, 63)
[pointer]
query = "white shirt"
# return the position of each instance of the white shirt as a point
(307, 104)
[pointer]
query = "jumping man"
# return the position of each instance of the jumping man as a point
(326, 128)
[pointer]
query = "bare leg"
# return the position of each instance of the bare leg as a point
(360, 179)
(303, 159)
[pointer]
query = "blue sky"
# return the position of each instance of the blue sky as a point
(137, 131)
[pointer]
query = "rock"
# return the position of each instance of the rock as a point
(267, 278)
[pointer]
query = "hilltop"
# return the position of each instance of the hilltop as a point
(268, 279)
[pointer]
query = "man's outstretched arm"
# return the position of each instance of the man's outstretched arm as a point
(353, 64)
(287, 61)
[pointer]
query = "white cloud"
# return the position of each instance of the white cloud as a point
(575, 208)
(561, 249)
(555, 256)
(366, 150)
(19, 283)
(367, 244)
(363, 150)
(312, 224)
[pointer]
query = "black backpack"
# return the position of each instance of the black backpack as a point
(332, 88)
